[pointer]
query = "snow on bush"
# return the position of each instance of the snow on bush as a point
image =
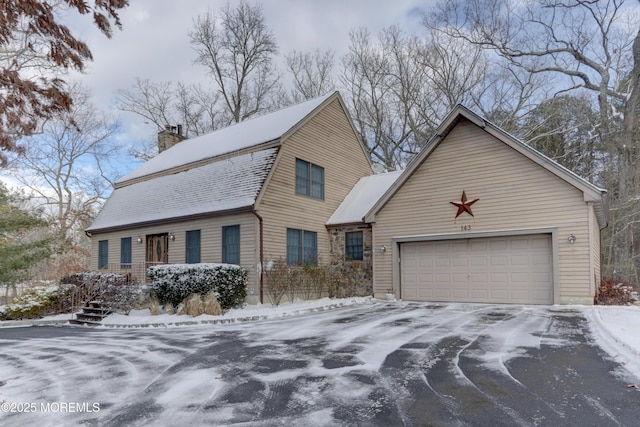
(116, 292)
(32, 303)
(173, 283)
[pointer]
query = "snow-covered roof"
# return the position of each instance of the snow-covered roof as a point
(591, 192)
(232, 183)
(248, 133)
(362, 197)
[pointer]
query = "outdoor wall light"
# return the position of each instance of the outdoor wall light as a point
(383, 249)
(139, 239)
(172, 236)
(571, 239)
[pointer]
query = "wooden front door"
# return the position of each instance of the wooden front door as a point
(157, 249)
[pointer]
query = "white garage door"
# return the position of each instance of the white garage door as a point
(511, 269)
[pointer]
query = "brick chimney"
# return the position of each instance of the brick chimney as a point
(170, 136)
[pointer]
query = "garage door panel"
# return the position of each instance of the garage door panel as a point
(512, 269)
(499, 260)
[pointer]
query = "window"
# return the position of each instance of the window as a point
(309, 179)
(103, 253)
(125, 252)
(353, 245)
(231, 244)
(302, 246)
(192, 247)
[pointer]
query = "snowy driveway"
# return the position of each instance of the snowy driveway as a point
(380, 364)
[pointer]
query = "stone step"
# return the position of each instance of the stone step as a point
(84, 322)
(95, 310)
(90, 316)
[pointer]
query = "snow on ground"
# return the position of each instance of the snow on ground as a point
(143, 318)
(314, 364)
(615, 328)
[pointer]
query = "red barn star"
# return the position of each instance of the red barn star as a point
(463, 205)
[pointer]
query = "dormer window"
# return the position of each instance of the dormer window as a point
(309, 179)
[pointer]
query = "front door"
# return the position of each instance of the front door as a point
(157, 249)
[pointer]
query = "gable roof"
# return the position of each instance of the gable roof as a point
(591, 192)
(227, 185)
(246, 134)
(362, 197)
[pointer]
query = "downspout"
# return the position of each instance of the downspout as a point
(255, 212)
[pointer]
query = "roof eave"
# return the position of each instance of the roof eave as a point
(171, 220)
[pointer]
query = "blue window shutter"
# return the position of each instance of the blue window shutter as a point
(103, 253)
(192, 247)
(125, 252)
(231, 244)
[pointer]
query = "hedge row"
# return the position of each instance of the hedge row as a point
(173, 283)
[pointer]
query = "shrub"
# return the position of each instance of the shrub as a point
(279, 279)
(314, 281)
(116, 292)
(174, 283)
(193, 305)
(211, 304)
(33, 303)
(612, 292)
(154, 306)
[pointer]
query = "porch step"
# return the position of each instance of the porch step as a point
(92, 314)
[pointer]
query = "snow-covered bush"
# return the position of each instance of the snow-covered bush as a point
(33, 303)
(116, 292)
(173, 283)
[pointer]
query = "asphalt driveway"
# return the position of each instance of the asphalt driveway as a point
(380, 364)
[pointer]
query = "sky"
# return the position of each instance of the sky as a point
(154, 43)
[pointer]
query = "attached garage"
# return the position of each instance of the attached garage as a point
(479, 216)
(507, 269)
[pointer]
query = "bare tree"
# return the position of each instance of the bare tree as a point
(196, 108)
(587, 42)
(67, 168)
(367, 76)
(587, 45)
(312, 73)
(34, 46)
(237, 49)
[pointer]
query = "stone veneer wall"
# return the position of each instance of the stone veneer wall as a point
(337, 253)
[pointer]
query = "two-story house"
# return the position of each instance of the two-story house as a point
(477, 215)
(249, 193)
